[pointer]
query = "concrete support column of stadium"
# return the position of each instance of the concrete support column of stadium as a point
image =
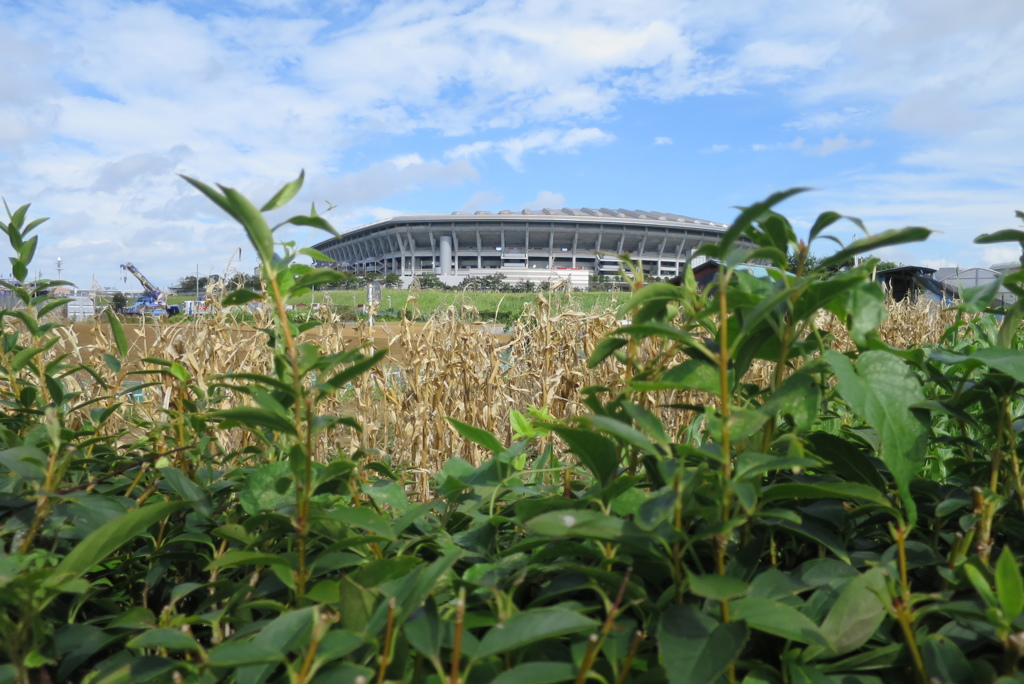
(553, 245)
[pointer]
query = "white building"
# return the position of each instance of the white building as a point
(544, 245)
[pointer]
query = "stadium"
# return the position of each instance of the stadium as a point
(570, 245)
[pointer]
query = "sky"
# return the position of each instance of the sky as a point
(898, 112)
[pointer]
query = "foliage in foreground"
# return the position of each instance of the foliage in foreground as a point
(856, 519)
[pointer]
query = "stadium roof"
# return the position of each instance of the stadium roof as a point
(584, 214)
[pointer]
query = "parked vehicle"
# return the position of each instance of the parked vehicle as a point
(153, 302)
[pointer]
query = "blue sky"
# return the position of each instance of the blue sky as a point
(899, 112)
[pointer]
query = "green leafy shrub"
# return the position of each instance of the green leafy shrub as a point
(856, 518)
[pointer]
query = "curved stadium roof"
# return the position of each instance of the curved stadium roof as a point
(464, 243)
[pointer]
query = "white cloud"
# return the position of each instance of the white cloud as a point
(469, 150)
(481, 199)
(114, 176)
(546, 200)
(837, 144)
(110, 95)
(385, 179)
(715, 149)
(794, 144)
(828, 119)
(540, 142)
(662, 140)
(513, 149)
(402, 161)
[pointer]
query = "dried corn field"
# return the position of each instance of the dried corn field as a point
(446, 367)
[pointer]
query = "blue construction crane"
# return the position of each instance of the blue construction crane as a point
(153, 302)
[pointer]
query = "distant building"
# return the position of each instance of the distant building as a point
(570, 245)
(977, 277)
(906, 282)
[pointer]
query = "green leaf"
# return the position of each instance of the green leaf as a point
(1009, 586)
(542, 672)
(863, 307)
(165, 637)
(1008, 235)
(579, 523)
(238, 653)
(22, 357)
(246, 213)
(824, 490)
(241, 296)
(112, 362)
(233, 532)
(823, 221)
(353, 370)
(975, 576)
(652, 301)
(107, 539)
(179, 372)
(855, 616)
(599, 454)
(338, 643)
(212, 195)
(313, 222)
(388, 494)
(848, 461)
(423, 630)
(478, 436)
(809, 528)
(871, 243)
(1009, 361)
(28, 250)
(268, 488)
(777, 618)
(625, 432)
(233, 558)
(315, 254)
(285, 194)
(694, 649)
(945, 662)
(320, 276)
(604, 349)
(24, 461)
(532, 626)
(753, 464)
(718, 587)
(881, 390)
(364, 518)
(745, 220)
(187, 489)
(255, 419)
(800, 397)
(120, 339)
(288, 632)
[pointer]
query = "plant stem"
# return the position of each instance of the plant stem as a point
(385, 656)
(634, 646)
(460, 614)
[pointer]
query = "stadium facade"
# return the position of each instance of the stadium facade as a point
(536, 245)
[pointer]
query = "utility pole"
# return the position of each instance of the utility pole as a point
(197, 283)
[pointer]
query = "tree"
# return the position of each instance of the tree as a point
(814, 262)
(119, 302)
(429, 281)
(488, 283)
(392, 280)
(188, 285)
